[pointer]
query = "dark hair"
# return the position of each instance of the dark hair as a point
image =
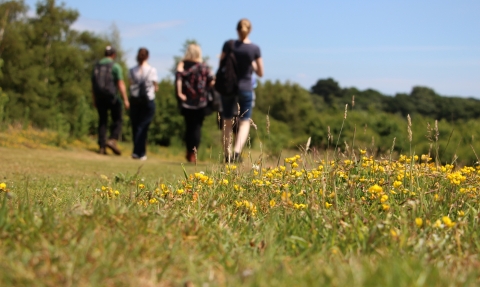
(109, 51)
(142, 55)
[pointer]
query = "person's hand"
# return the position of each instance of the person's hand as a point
(182, 97)
(127, 104)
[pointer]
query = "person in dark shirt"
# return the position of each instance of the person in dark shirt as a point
(249, 60)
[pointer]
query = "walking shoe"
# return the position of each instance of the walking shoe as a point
(236, 158)
(112, 144)
(134, 156)
(102, 150)
(191, 156)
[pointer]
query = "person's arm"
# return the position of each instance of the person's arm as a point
(155, 79)
(182, 96)
(123, 91)
(258, 67)
(118, 76)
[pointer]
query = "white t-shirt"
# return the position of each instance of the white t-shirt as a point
(145, 73)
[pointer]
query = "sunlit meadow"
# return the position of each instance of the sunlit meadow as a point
(330, 219)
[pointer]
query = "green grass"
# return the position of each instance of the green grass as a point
(58, 227)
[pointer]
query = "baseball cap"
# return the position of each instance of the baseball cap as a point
(109, 50)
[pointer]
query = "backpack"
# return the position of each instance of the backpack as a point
(195, 85)
(226, 82)
(103, 83)
(140, 90)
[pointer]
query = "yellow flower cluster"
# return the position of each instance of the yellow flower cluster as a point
(247, 207)
(456, 177)
(293, 161)
(3, 187)
(200, 177)
(108, 192)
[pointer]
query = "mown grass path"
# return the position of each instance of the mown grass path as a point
(60, 163)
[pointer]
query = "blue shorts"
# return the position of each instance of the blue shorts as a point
(230, 108)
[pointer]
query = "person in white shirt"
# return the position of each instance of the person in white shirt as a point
(143, 85)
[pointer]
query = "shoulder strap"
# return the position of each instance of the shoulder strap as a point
(193, 68)
(132, 76)
(145, 78)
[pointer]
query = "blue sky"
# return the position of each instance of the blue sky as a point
(386, 45)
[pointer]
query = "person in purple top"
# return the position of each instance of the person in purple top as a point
(249, 60)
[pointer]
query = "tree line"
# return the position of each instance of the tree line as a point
(45, 82)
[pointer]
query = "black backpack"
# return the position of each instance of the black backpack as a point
(103, 83)
(142, 87)
(226, 82)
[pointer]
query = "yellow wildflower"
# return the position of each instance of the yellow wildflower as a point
(327, 205)
(447, 221)
(385, 207)
(272, 203)
(299, 206)
(375, 189)
(419, 222)
(384, 198)
(180, 191)
(285, 196)
(461, 213)
(141, 186)
(397, 184)
(437, 224)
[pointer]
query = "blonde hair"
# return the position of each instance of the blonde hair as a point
(243, 28)
(193, 53)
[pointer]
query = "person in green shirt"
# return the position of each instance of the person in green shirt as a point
(107, 81)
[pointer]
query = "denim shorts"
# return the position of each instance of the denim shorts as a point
(230, 108)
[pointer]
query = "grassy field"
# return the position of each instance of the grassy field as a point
(75, 218)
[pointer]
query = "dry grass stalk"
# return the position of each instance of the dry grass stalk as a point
(409, 128)
(268, 125)
(329, 134)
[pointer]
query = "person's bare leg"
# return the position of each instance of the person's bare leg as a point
(242, 135)
(227, 137)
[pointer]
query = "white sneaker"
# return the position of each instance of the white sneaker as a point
(134, 156)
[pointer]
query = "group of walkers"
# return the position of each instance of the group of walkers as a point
(195, 87)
